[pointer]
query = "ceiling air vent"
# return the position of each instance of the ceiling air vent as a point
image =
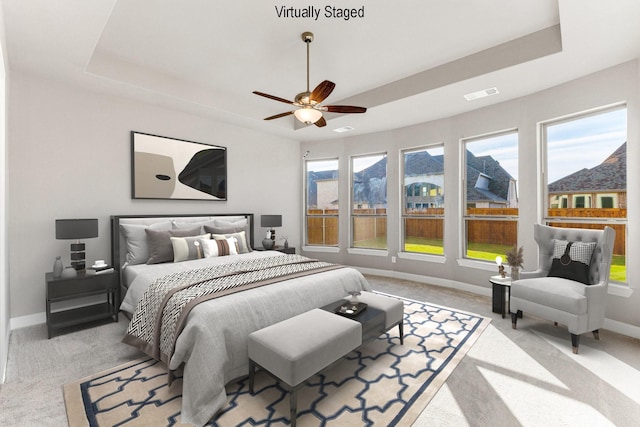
(481, 93)
(343, 129)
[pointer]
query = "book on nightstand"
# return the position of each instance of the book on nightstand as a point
(99, 270)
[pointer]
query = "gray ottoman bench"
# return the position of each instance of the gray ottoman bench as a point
(297, 348)
(392, 307)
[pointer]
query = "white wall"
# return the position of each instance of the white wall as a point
(4, 273)
(70, 157)
(618, 84)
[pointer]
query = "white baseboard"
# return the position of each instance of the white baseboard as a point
(622, 328)
(28, 320)
(611, 325)
(420, 278)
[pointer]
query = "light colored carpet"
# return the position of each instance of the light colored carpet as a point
(382, 383)
(600, 380)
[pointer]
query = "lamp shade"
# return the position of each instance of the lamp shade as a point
(76, 228)
(271, 220)
(307, 115)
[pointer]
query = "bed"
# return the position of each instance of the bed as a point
(210, 347)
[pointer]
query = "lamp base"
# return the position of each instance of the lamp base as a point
(68, 273)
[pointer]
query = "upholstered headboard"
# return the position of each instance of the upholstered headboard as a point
(119, 242)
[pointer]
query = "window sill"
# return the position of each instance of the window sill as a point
(620, 290)
(480, 265)
(438, 259)
(324, 249)
(371, 252)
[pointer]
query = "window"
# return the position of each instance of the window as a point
(322, 202)
(586, 170)
(491, 197)
(369, 201)
(423, 190)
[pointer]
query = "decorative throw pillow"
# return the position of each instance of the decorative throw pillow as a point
(229, 227)
(186, 248)
(241, 241)
(160, 249)
(571, 260)
(220, 247)
(136, 240)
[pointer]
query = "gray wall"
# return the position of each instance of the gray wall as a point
(69, 157)
(618, 84)
(4, 258)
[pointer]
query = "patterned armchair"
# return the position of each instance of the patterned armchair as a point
(562, 298)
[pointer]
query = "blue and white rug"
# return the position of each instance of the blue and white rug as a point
(383, 383)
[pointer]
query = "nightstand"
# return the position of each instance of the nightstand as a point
(290, 250)
(83, 285)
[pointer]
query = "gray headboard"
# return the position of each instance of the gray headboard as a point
(118, 249)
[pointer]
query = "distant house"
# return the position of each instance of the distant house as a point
(489, 185)
(322, 190)
(603, 186)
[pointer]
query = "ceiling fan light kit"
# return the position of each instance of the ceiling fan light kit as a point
(309, 111)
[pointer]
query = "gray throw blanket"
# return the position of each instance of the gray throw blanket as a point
(160, 315)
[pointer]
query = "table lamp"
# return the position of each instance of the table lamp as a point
(271, 221)
(76, 229)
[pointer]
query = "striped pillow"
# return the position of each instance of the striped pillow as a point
(219, 247)
(186, 248)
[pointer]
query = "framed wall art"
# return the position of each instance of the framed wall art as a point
(170, 168)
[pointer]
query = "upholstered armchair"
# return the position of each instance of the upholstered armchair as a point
(562, 298)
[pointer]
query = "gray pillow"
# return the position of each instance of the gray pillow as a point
(189, 225)
(186, 248)
(136, 240)
(160, 249)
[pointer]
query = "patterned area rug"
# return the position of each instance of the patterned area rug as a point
(382, 383)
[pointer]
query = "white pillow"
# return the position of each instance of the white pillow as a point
(220, 247)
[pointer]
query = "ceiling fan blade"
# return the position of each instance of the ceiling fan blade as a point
(275, 98)
(321, 122)
(322, 91)
(344, 109)
(277, 116)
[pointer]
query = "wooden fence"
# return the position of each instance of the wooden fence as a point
(323, 229)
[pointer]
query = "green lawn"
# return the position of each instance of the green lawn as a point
(489, 252)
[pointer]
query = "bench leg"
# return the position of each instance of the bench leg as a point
(401, 330)
(293, 406)
(252, 372)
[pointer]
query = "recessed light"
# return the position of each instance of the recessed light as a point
(481, 93)
(344, 129)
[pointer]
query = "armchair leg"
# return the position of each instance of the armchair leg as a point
(596, 334)
(514, 318)
(575, 342)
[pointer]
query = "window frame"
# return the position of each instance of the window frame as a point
(307, 216)
(403, 253)
(465, 216)
(545, 203)
(366, 250)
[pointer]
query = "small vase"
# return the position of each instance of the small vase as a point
(57, 268)
(515, 273)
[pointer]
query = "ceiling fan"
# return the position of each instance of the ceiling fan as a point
(309, 110)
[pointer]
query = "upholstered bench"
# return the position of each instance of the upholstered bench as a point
(392, 307)
(297, 348)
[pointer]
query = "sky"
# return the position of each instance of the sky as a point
(573, 144)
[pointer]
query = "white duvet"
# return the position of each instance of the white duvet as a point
(213, 343)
